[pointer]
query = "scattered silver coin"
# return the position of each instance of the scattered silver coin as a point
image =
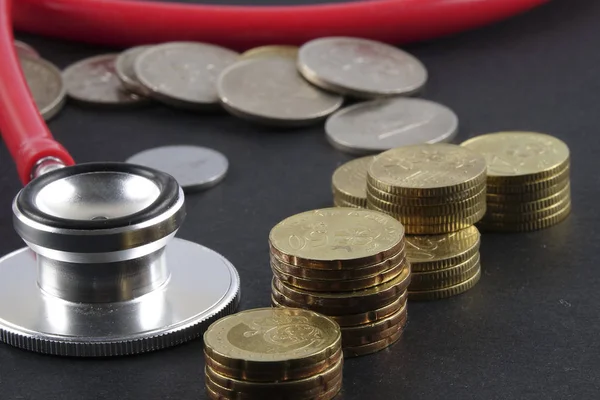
(184, 74)
(95, 81)
(194, 167)
(126, 73)
(383, 124)
(25, 50)
(270, 90)
(45, 84)
(360, 68)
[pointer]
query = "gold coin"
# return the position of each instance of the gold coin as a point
(336, 238)
(225, 393)
(437, 294)
(273, 373)
(294, 387)
(371, 328)
(357, 351)
(266, 51)
(339, 274)
(526, 226)
(520, 157)
(427, 170)
(339, 285)
(353, 341)
(519, 217)
(284, 338)
(446, 273)
(278, 300)
(450, 217)
(428, 211)
(435, 252)
(467, 196)
(444, 279)
(348, 302)
(530, 206)
(529, 187)
(349, 181)
(528, 196)
(341, 203)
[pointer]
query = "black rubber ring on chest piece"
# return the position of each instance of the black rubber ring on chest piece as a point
(168, 186)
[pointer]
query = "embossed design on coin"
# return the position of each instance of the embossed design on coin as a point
(46, 85)
(184, 73)
(380, 125)
(270, 90)
(94, 80)
(126, 73)
(520, 153)
(360, 67)
(440, 247)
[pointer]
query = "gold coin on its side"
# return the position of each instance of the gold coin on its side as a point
(336, 238)
(371, 328)
(528, 196)
(519, 217)
(532, 187)
(278, 338)
(530, 206)
(520, 157)
(450, 291)
(444, 279)
(525, 226)
(418, 201)
(349, 182)
(435, 252)
(357, 351)
(352, 341)
(270, 50)
(429, 170)
(342, 203)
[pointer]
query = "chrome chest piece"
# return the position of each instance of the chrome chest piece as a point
(103, 274)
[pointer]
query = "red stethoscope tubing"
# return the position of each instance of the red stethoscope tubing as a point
(127, 23)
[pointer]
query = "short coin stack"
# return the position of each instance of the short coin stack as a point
(273, 353)
(431, 188)
(443, 265)
(349, 264)
(527, 180)
(348, 183)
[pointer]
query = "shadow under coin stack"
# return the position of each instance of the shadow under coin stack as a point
(275, 354)
(443, 265)
(348, 183)
(528, 186)
(349, 264)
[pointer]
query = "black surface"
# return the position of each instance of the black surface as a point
(528, 330)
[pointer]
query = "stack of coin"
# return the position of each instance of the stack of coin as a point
(430, 188)
(528, 186)
(346, 263)
(273, 353)
(349, 183)
(443, 265)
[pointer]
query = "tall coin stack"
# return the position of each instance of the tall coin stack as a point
(431, 188)
(443, 265)
(348, 183)
(349, 264)
(271, 353)
(528, 186)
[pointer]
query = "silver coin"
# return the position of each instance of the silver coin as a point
(360, 68)
(95, 81)
(126, 73)
(45, 84)
(184, 74)
(270, 90)
(193, 167)
(383, 124)
(25, 50)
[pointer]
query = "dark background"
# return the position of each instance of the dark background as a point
(528, 330)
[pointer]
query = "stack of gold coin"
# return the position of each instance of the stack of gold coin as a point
(273, 353)
(430, 188)
(349, 183)
(346, 263)
(528, 186)
(443, 265)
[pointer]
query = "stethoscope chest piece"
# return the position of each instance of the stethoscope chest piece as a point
(103, 274)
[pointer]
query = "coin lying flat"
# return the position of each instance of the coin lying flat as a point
(193, 167)
(349, 182)
(126, 73)
(45, 84)
(271, 50)
(95, 81)
(360, 68)
(25, 50)
(269, 90)
(184, 74)
(379, 125)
